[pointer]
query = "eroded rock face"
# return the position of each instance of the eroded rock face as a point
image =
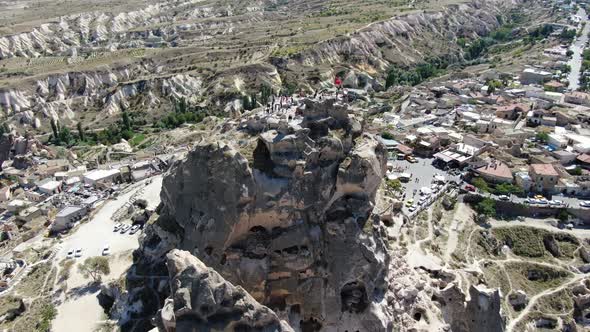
(292, 223)
(481, 313)
(201, 300)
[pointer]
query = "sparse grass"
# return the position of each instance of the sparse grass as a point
(528, 241)
(557, 303)
(524, 241)
(32, 284)
(36, 318)
(10, 305)
(497, 277)
(66, 268)
(548, 277)
(137, 139)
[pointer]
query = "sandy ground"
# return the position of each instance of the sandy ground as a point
(80, 310)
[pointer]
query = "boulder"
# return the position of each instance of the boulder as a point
(202, 300)
(518, 300)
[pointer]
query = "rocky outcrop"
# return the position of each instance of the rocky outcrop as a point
(481, 313)
(391, 41)
(518, 300)
(201, 299)
(291, 223)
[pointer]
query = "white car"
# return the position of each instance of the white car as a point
(412, 208)
(124, 229)
(555, 202)
(503, 197)
(134, 229)
(106, 250)
(585, 203)
(78, 252)
(70, 253)
(117, 227)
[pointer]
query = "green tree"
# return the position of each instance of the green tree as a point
(127, 123)
(54, 129)
(507, 189)
(481, 184)
(48, 313)
(80, 131)
(486, 207)
(562, 215)
(542, 137)
(576, 171)
(65, 136)
(94, 267)
(394, 185)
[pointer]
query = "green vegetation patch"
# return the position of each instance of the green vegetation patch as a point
(534, 278)
(10, 307)
(556, 303)
(528, 241)
(36, 318)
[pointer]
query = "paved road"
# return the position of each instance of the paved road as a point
(577, 47)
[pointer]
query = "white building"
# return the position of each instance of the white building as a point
(102, 176)
(67, 216)
(534, 76)
(50, 187)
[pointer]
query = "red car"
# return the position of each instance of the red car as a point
(469, 187)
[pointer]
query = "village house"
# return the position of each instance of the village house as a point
(534, 76)
(104, 177)
(578, 98)
(50, 187)
(66, 217)
(544, 178)
(511, 112)
(495, 171)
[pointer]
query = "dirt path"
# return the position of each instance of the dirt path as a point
(417, 256)
(533, 300)
(461, 215)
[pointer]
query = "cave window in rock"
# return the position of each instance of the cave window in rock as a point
(310, 325)
(353, 297)
(261, 159)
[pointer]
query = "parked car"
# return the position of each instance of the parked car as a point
(503, 197)
(409, 202)
(411, 159)
(134, 229)
(469, 187)
(412, 208)
(117, 227)
(106, 250)
(78, 252)
(585, 203)
(70, 253)
(124, 229)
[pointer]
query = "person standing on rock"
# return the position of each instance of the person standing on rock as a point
(338, 84)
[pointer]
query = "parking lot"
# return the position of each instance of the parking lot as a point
(92, 236)
(422, 175)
